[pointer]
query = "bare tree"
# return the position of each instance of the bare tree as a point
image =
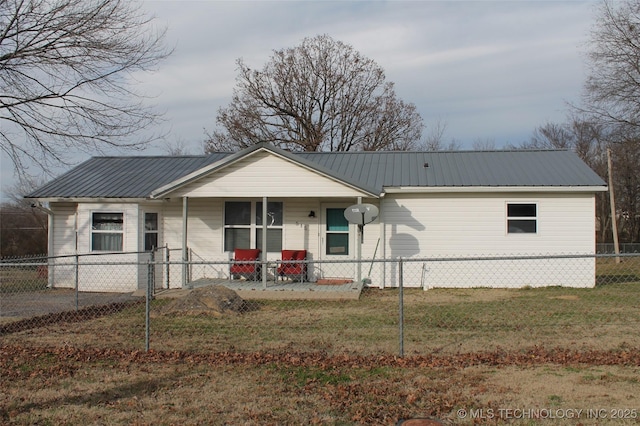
(434, 141)
(484, 144)
(612, 89)
(626, 158)
(319, 96)
(23, 228)
(589, 140)
(551, 136)
(65, 73)
(176, 147)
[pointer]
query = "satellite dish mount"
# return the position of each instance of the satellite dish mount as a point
(361, 214)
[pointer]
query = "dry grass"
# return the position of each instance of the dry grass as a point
(303, 362)
(69, 387)
(435, 321)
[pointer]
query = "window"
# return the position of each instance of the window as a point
(274, 226)
(337, 233)
(522, 218)
(237, 225)
(240, 231)
(107, 231)
(150, 231)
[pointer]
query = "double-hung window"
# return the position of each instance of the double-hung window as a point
(107, 231)
(150, 231)
(274, 226)
(522, 218)
(243, 225)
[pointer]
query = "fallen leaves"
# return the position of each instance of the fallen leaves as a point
(54, 355)
(349, 384)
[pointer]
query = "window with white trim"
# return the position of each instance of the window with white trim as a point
(150, 231)
(107, 231)
(522, 218)
(337, 232)
(243, 225)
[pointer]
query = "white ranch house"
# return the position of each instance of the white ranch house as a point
(431, 204)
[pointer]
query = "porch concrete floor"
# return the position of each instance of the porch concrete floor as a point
(279, 290)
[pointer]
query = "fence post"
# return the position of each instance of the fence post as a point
(152, 271)
(77, 284)
(147, 310)
(401, 306)
(167, 258)
(190, 266)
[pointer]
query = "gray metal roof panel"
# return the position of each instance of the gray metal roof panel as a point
(460, 168)
(122, 177)
(137, 177)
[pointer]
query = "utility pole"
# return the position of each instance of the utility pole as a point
(614, 223)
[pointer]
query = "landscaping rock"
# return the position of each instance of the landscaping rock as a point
(210, 300)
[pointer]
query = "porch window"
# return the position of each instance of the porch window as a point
(243, 225)
(237, 225)
(337, 233)
(522, 218)
(107, 231)
(274, 226)
(150, 231)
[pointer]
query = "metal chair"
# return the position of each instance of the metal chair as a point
(293, 265)
(245, 264)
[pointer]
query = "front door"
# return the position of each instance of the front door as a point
(152, 243)
(337, 243)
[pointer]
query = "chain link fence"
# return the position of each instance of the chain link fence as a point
(610, 248)
(375, 306)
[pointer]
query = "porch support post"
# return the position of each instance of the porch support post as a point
(359, 249)
(264, 242)
(185, 250)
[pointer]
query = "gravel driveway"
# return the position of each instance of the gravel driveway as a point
(16, 306)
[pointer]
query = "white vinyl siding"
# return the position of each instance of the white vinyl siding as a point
(471, 225)
(64, 228)
(265, 175)
(110, 276)
(63, 235)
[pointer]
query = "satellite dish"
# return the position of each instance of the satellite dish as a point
(361, 214)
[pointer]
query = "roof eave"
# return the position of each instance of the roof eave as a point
(474, 189)
(91, 199)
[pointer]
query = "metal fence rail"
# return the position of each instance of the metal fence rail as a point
(398, 306)
(609, 248)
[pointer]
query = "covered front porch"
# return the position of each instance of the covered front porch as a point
(272, 202)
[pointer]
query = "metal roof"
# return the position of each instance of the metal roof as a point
(138, 177)
(459, 168)
(122, 177)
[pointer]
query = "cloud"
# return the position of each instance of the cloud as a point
(492, 70)
(477, 63)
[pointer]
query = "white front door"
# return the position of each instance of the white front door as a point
(337, 242)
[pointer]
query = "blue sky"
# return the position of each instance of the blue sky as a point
(492, 71)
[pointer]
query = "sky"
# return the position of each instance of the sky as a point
(489, 71)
